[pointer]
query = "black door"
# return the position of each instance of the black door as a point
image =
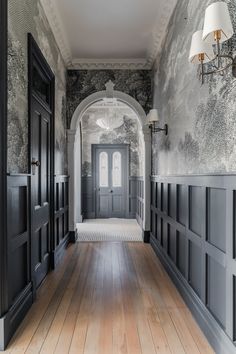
(111, 180)
(41, 92)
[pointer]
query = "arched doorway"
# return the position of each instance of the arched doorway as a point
(75, 156)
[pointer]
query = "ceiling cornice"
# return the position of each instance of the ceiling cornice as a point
(93, 64)
(159, 31)
(56, 24)
(158, 34)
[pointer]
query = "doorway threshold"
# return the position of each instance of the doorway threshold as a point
(113, 229)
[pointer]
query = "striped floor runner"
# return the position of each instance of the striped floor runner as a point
(109, 230)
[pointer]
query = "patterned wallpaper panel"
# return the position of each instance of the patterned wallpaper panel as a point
(202, 119)
(27, 16)
(82, 83)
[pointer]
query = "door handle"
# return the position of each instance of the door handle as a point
(35, 163)
(111, 191)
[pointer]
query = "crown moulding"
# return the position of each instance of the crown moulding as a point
(92, 64)
(158, 34)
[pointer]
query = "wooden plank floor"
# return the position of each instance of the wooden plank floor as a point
(106, 298)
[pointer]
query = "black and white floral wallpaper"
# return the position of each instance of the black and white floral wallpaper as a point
(82, 83)
(202, 119)
(27, 16)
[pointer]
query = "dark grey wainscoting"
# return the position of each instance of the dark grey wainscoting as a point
(61, 218)
(88, 200)
(193, 232)
(18, 286)
(136, 201)
(140, 201)
(19, 283)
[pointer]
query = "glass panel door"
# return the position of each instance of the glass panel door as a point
(116, 169)
(103, 169)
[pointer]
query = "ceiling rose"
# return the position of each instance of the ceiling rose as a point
(111, 119)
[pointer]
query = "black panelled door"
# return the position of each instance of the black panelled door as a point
(40, 188)
(41, 98)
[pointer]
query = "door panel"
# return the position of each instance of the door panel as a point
(111, 180)
(40, 187)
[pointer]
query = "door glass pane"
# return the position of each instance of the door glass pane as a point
(116, 169)
(103, 169)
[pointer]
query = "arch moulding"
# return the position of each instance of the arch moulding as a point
(75, 152)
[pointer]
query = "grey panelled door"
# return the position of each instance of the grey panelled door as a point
(111, 180)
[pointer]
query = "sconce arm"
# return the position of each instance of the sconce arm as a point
(156, 129)
(219, 70)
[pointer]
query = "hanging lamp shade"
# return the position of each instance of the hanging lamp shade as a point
(152, 116)
(217, 18)
(200, 50)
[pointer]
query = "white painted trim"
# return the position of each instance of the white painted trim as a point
(158, 35)
(56, 24)
(159, 32)
(113, 64)
(74, 149)
(97, 96)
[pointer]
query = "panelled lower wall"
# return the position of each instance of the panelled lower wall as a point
(87, 202)
(140, 201)
(19, 284)
(136, 198)
(193, 231)
(61, 217)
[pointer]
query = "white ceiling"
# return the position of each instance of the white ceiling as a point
(109, 33)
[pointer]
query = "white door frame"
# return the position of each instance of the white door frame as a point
(75, 153)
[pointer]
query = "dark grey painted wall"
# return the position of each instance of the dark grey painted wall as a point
(19, 285)
(193, 222)
(136, 202)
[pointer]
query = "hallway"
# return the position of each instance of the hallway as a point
(109, 297)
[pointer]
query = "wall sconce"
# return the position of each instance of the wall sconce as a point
(206, 43)
(152, 121)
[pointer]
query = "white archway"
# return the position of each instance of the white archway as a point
(74, 152)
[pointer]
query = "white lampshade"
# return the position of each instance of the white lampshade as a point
(217, 18)
(198, 47)
(153, 116)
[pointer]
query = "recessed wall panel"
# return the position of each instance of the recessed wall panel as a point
(18, 271)
(165, 198)
(216, 290)
(18, 207)
(196, 210)
(181, 252)
(172, 200)
(172, 243)
(195, 267)
(165, 235)
(216, 221)
(181, 204)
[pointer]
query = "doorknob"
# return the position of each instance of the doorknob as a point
(35, 163)
(111, 191)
